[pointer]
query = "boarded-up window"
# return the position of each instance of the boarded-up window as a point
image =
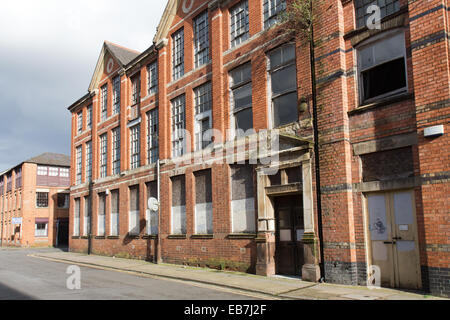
(133, 226)
(152, 215)
(178, 205)
(115, 212)
(101, 214)
(388, 165)
(203, 203)
(243, 199)
(76, 218)
(87, 216)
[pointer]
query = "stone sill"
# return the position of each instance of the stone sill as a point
(130, 236)
(176, 236)
(238, 236)
(84, 238)
(112, 237)
(99, 237)
(75, 237)
(152, 237)
(202, 236)
(382, 102)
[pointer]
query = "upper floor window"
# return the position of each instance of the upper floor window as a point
(80, 122)
(104, 102)
(283, 82)
(135, 147)
(116, 95)
(152, 78)
(241, 92)
(116, 150)
(103, 155)
(89, 117)
(239, 23)
(178, 54)
(42, 199)
(152, 136)
(43, 171)
(64, 172)
(78, 164)
(178, 126)
(382, 67)
(203, 116)
(271, 10)
(136, 89)
(53, 171)
(88, 160)
(63, 200)
(201, 39)
(387, 7)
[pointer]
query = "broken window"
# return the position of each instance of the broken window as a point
(104, 102)
(178, 54)
(135, 153)
(78, 153)
(387, 7)
(103, 155)
(152, 215)
(88, 151)
(89, 117)
(116, 95)
(271, 10)
(133, 224)
(76, 218)
(116, 150)
(241, 87)
(203, 203)
(283, 82)
(203, 116)
(114, 213)
(152, 78)
(80, 122)
(101, 214)
(243, 199)
(136, 89)
(201, 39)
(239, 23)
(178, 126)
(382, 68)
(178, 205)
(152, 136)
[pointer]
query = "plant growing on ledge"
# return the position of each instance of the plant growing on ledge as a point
(299, 18)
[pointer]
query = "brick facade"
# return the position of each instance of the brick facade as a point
(367, 145)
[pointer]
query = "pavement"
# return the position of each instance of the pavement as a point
(257, 286)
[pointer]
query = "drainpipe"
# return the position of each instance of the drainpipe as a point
(158, 243)
(91, 204)
(316, 148)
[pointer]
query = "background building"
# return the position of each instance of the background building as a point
(382, 100)
(34, 202)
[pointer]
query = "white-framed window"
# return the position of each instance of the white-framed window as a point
(42, 199)
(271, 10)
(283, 83)
(136, 89)
(242, 199)
(152, 136)
(53, 171)
(152, 78)
(87, 216)
(133, 222)
(80, 122)
(88, 150)
(135, 148)
(41, 229)
(203, 115)
(203, 202)
(239, 23)
(382, 66)
(114, 225)
(64, 172)
(101, 215)
(201, 39)
(76, 218)
(103, 155)
(178, 214)
(241, 95)
(178, 54)
(89, 117)
(387, 7)
(43, 170)
(116, 150)
(104, 102)
(116, 95)
(178, 126)
(79, 164)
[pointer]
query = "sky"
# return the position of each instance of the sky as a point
(48, 53)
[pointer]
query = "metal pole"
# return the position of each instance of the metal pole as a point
(158, 244)
(89, 232)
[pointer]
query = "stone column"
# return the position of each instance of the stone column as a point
(311, 269)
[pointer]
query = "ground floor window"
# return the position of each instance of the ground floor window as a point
(243, 199)
(41, 228)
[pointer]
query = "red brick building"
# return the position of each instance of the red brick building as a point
(382, 99)
(34, 202)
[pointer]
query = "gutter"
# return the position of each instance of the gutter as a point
(316, 149)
